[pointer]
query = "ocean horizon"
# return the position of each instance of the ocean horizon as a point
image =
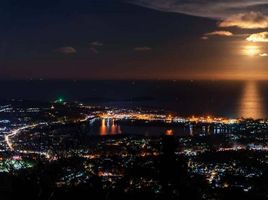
(232, 99)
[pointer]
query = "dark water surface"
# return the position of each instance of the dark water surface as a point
(217, 98)
(110, 127)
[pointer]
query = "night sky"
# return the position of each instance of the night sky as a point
(135, 39)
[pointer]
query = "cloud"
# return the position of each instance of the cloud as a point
(204, 37)
(250, 20)
(142, 49)
(263, 54)
(258, 37)
(219, 33)
(96, 44)
(217, 9)
(66, 50)
(94, 50)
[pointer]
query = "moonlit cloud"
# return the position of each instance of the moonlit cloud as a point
(263, 54)
(219, 33)
(258, 37)
(142, 49)
(66, 50)
(250, 20)
(217, 9)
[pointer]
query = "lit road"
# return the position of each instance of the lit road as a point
(16, 132)
(8, 137)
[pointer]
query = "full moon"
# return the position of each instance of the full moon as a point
(251, 51)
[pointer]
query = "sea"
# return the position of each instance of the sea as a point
(231, 99)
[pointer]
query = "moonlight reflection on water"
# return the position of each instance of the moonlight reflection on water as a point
(251, 102)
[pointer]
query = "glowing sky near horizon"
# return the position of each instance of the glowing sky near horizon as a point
(134, 39)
